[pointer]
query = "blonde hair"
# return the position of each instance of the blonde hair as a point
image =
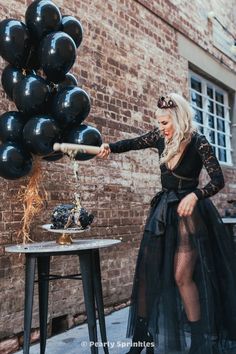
(182, 118)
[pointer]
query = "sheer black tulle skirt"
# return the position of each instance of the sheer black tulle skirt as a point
(171, 245)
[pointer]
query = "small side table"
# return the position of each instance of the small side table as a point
(230, 223)
(89, 258)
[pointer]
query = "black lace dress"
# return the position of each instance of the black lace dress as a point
(168, 239)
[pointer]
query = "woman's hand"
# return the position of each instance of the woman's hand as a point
(104, 151)
(187, 204)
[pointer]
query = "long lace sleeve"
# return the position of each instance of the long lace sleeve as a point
(213, 168)
(141, 142)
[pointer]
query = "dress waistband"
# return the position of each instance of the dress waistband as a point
(157, 219)
(182, 190)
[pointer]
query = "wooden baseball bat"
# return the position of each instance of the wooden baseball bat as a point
(76, 148)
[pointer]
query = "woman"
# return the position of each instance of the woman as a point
(185, 277)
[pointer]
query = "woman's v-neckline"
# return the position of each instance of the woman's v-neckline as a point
(180, 159)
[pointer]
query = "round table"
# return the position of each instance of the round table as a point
(90, 274)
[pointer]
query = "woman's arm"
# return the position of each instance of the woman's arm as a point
(141, 142)
(213, 168)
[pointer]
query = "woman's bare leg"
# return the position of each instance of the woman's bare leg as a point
(184, 263)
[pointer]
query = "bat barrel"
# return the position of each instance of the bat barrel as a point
(85, 149)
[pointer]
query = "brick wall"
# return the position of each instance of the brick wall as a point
(128, 58)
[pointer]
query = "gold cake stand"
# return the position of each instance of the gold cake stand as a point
(65, 237)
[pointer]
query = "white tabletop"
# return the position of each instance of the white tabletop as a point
(229, 220)
(53, 247)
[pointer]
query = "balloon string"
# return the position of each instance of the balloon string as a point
(27, 60)
(31, 199)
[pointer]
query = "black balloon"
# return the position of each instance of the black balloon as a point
(11, 126)
(15, 162)
(31, 95)
(54, 156)
(69, 81)
(40, 133)
(14, 42)
(57, 55)
(73, 27)
(11, 76)
(42, 17)
(71, 105)
(85, 135)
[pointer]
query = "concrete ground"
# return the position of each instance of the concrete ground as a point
(76, 341)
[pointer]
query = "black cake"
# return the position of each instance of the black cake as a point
(70, 216)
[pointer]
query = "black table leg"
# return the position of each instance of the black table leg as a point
(86, 268)
(29, 294)
(43, 284)
(99, 298)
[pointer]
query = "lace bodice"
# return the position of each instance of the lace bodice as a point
(185, 174)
